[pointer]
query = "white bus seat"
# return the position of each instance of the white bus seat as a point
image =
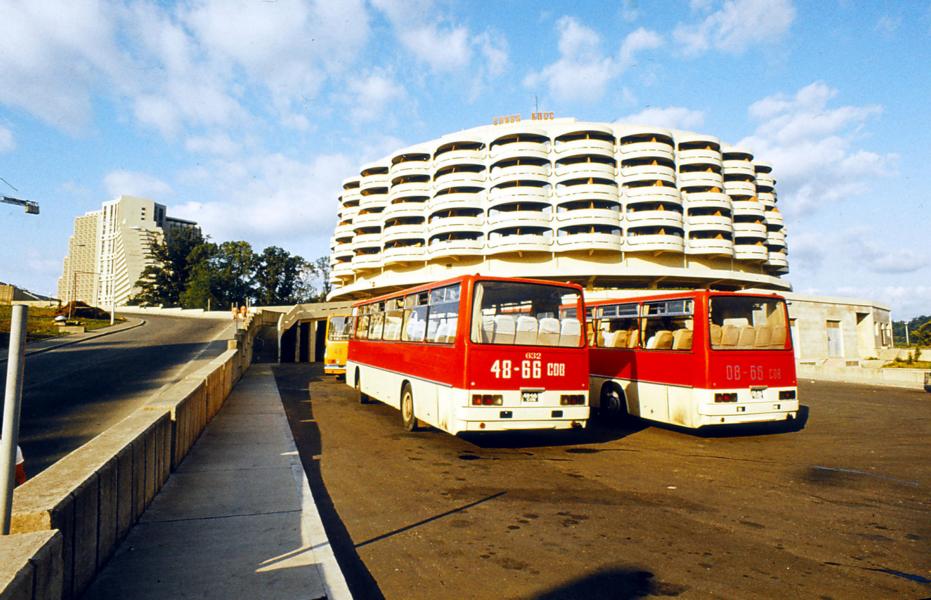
(661, 340)
(620, 338)
(716, 333)
(682, 339)
(526, 330)
(452, 324)
(439, 335)
(570, 332)
(729, 335)
(549, 332)
(488, 329)
(747, 335)
(432, 326)
(764, 336)
(633, 338)
(737, 321)
(504, 329)
(420, 331)
(779, 337)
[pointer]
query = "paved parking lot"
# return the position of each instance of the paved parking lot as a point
(837, 508)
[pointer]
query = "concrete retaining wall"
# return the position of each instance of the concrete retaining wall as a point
(69, 519)
(903, 378)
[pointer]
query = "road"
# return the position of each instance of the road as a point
(73, 393)
(837, 508)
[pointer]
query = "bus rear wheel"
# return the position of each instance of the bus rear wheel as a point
(613, 405)
(363, 398)
(408, 420)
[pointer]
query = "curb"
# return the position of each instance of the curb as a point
(83, 339)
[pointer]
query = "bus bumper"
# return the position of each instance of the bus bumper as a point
(514, 416)
(770, 407)
(334, 369)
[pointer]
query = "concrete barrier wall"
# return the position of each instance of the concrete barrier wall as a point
(903, 378)
(69, 519)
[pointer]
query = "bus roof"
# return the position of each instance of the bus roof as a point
(463, 279)
(670, 295)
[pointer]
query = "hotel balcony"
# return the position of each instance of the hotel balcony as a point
(460, 175)
(767, 198)
(587, 189)
(343, 252)
(453, 153)
(747, 208)
(342, 270)
(401, 231)
(367, 261)
(520, 145)
(461, 198)
(710, 218)
(348, 213)
(374, 175)
(374, 198)
(776, 238)
(519, 239)
(520, 215)
(654, 239)
(350, 183)
(707, 199)
(586, 166)
(351, 198)
(410, 186)
(588, 212)
(519, 169)
(750, 249)
(368, 219)
(648, 170)
(366, 240)
(698, 148)
(410, 163)
(738, 162)
(441, 223)
(410, 208)
(653, 215)
(529, 191)
(737, 188)
(588, 141)
(456, 245)
(748, 229)
(589, 238)
(774, 218)
(651, 193)
(646, 144)
(404, 251)
(700, 178)
(709, 243)
(777, 260)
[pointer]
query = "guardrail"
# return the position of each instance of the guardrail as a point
(68, 520)
(915, 379)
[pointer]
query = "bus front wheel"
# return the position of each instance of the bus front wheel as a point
(408, 420)
(613, 406)
(363, 397)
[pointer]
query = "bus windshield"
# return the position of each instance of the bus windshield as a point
(745, 322)
(526, 314)
(339, 329)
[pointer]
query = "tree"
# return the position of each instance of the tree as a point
(233, 269)
(279, 277)
(199, 288)
(320, 270)
(163, 280)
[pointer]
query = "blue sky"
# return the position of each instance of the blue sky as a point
(245, 116)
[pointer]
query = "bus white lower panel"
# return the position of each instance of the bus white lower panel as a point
(693, 407)
(449, 408)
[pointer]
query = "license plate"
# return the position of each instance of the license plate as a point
(530, 396)
(756, 394)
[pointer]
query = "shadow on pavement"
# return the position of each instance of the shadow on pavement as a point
(617, 584)
(597, 432)
(292, 381)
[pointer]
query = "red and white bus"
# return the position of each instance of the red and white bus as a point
(693, 358)
(474, 354)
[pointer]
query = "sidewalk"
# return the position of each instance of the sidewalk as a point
(39, 346)
(236, 520)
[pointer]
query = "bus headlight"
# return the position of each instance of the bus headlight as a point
(487, 400)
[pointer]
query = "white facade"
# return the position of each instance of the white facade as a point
(110, 249)
(79, 278)
(606, 205)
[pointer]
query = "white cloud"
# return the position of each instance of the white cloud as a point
(887, 25)
(735, 26)
(442, 46)
(813, 147)
(372, 94)
(7, 141)
(270, 198)
(583, 71)
(134, 183)
(494, 49)
(861, 248)
(674, 117)
(219, 143)
(629, 10)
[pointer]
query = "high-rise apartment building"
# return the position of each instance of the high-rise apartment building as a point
(102, 267)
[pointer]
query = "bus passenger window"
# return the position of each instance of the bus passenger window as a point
(668, 324)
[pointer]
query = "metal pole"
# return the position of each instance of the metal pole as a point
(112, 312)
(9, 436)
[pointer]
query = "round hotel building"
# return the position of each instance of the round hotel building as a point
(607, 205)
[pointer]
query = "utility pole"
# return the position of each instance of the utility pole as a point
(9, 435)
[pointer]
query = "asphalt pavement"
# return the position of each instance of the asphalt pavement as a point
(73, 393)
(836, 507)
